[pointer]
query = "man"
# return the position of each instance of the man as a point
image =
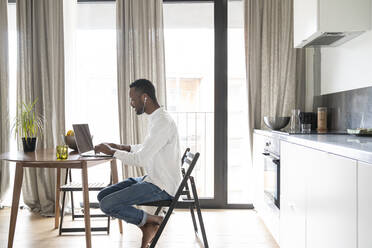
(160, 157)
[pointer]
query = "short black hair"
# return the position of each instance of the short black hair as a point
(144, 86)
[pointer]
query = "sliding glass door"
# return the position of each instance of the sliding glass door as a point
(189, 57)
(196, 54)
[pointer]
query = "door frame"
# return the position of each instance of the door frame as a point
(220, 199)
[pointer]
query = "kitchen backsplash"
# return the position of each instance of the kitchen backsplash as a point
(347, 109)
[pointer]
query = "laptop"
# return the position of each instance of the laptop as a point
(84, 141)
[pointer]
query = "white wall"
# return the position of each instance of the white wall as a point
(348, 66)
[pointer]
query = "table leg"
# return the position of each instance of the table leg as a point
(88, 235)
(57, 211)
(16, 193)
(114, 171)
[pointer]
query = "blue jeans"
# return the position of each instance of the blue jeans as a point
(116, 200)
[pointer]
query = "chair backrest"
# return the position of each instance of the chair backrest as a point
(184, 155)
(188, 160)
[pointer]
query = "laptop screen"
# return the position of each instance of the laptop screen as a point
(83, 138)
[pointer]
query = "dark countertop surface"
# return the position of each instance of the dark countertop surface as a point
(354, 147)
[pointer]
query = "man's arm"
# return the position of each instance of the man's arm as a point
(153, 143)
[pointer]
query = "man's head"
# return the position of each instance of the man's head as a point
(142, 93)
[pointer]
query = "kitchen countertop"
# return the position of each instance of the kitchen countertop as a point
(354, 147)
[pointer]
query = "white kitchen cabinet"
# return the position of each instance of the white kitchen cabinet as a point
(364, 205)
(305, 20)
(331, 219)
(318, 199)
(293, 196)
(312, 18)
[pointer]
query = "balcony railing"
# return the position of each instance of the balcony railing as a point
(196, 130)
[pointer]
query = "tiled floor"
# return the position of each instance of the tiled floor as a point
(225, 228)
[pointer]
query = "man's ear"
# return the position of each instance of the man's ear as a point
(145, 97)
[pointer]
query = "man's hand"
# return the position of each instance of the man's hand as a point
(119, 147)
(112, 145)
(104, 148)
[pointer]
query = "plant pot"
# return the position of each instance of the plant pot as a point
(29, 145)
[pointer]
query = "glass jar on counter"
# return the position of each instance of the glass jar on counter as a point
(295, 121)
(322, 119)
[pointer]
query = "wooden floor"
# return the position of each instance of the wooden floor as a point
(225, 228)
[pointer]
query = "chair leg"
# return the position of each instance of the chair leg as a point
(63, 204)
(193, 219)
(62, 212)
(72, 205)
(162, 226)
(191, 209)
(201, 223)
(158, 210)
(197, 205)
(189, 198)
(72, 198)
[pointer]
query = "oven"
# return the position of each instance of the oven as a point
(272, 173)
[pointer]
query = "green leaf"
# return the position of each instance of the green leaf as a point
(27, 124)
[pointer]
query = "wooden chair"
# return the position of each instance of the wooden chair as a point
(188, 160)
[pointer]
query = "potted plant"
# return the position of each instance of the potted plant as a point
(28, 125)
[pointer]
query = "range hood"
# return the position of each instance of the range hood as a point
(332, 39)
(319, 23)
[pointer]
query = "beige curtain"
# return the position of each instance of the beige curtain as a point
(140, 45)
(275, 70)
(4, 99)
(41, 75)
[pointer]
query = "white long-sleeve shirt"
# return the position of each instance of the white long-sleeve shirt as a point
(159, 154)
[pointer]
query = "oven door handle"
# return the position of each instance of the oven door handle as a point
(275, 159)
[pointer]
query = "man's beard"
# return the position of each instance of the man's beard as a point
(141, 110)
